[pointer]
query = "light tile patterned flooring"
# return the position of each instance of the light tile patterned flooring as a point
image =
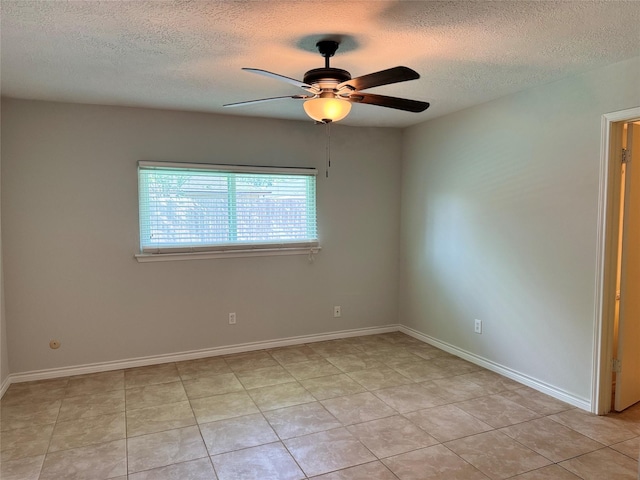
(378, 407)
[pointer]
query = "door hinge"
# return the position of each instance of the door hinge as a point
(616, 366)
(626, 155)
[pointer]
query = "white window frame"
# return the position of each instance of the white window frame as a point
(224, 250)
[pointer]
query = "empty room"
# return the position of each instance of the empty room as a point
(331, 240)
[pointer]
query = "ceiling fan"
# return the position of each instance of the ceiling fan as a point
(332, 90)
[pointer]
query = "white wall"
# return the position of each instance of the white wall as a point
(499, 220)
(70, 226)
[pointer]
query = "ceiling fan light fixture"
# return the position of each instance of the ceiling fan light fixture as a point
(326, 109)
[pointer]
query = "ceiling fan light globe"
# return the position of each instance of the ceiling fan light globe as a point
(323, 109)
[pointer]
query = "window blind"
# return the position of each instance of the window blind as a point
(194, 207)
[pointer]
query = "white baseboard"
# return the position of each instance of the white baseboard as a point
(502, 370)
(190, 355)
(247, 347)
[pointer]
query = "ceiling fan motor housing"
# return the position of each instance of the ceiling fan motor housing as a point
(322, 76)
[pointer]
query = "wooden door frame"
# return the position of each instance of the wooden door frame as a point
(606, 261)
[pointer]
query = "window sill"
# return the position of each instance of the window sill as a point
(254, 252)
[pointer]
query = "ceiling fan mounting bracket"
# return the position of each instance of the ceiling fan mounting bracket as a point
(327, 48)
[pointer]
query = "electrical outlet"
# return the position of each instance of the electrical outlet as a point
(337, 311)
(232, 318)
(478, 326)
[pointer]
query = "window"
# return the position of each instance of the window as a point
(197, 208)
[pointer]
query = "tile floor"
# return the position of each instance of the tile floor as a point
(378, 407)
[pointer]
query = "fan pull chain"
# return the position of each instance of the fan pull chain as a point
(328, 163)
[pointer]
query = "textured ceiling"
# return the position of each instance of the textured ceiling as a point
(187, 55)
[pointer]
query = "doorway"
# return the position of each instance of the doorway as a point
(617, 336)
(626, 327)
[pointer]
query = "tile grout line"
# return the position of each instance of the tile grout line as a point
(195, 418)
(281, 441)
(55, 423)
(213, 468)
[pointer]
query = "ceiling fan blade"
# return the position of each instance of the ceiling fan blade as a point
(383, 77)
(405, 104)
(251, 102)
(282, 78)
